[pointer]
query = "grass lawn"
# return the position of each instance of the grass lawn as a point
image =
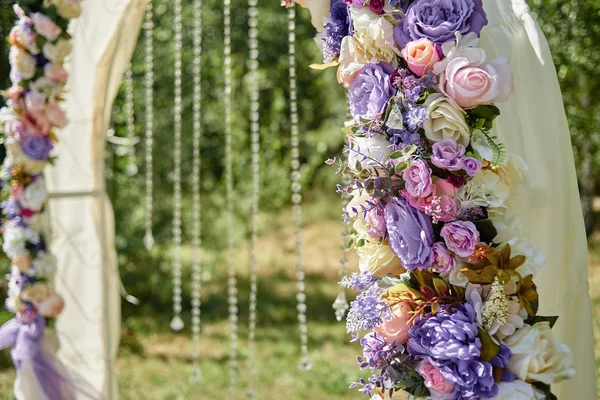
(155, 363)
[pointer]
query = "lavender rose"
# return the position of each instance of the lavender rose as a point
(36, 147)
(471, 165)
(461, 237)
(418, 179)
(443, 261)
(439, 20)
(410, 234)
(447, 154)
(370, 92)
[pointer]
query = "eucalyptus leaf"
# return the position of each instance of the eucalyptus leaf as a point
(395, 119)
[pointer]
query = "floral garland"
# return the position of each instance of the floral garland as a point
(39, 44)
(446, 292)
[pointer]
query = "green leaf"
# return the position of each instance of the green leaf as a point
(489, 348)
(486, 112)
(396, 154)
(538, 318)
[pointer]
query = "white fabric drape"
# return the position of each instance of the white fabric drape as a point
(534, 126)
(83, 227)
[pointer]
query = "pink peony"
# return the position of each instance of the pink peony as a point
(45, 26)
(420, 55)
(396, 329)
(461, 237)
(439, 204)
(52, 306)
(434, 380)
(418, 179)
(36, 123)
(470, 86)
(56, 115)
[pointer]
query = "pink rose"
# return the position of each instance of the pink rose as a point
(440, 204)
(396, 329)
(45, 26)
(442, 259)
(35, 101)
(36, 123)
(418, 179)
(435, 382)
(469, 85)
(56, 115)
(461, 237)
(15, 94)
(421, 55)
(52, 306)
(56, 72)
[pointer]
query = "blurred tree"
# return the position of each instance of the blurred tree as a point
(573, 34)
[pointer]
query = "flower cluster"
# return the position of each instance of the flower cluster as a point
(446, 291)
(39, 44)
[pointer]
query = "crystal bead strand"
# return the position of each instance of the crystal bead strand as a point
(196, 208)
(149, 94)
(255, 138)
(132, 168)
(232, 295)
(177, 322)
(304, 363)
(340, 305)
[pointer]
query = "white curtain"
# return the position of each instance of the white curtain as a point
(82, 235)
(534, 126)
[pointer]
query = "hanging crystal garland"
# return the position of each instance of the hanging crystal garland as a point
(232, 296)
(177, 322)
(196, 208)
(149, 94)
(132, 168)
(304, 363)
(340, 305)
(255, 138)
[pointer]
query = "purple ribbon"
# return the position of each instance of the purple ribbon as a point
(26, 342)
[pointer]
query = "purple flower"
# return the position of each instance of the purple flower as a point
(11, 209)
(360, 281)
(36, 147)
(439, 20)
(366, 310)
(443, 261)
(418, 178)
(450, 339)
(336, 30)
(471, 165)
(410, 234)
(370, 92)
(461, 237)
(447, 154)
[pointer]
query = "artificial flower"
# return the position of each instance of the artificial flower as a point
(69, 9)
(370, 92)
(447, 154)
(52, 306)
(379, 259)
(420, 55)
(418, 179)
(56, 51)
(443, 261)
(439, 387)
(394, 329)
(445, 121)
(45, 26)
(35, 195)
(460, 237)
(369, 151)
(22, 62)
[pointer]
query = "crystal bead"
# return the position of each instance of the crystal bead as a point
(304, 364)
(196, 375)
(149, 241)
(176, 323)
(340, 305)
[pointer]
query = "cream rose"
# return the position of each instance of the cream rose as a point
(486, 189)
(372, 42)
(445, 121)
(56, 52)
(23, 62)
(420, 55)
(515, 390)
(539, 356)
(35, 195)
(379, 259)
(377, 147)
(471, 85)
(68, 9)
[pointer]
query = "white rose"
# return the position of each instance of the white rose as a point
(515, 390)
(15, 238)
(56, 52)
(35, 195)
(68, 9)
(22, 62)
(379, 259)
(444, 121)
(44, 264)
(534, 258)
(372, 42)
(376, 147)
(538, 356)
(463, 46)
(481, 145)
(486, 189)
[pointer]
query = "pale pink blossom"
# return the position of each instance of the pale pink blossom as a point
(396, 329)
(420, 55)
(45, 26)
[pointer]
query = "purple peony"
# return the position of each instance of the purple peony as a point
(410, 234)
(439, 20)
(450, 340)
(370, 92)
(461, 237)
(471, 165)
(418, 179)
(36, 147)
(447, 154)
